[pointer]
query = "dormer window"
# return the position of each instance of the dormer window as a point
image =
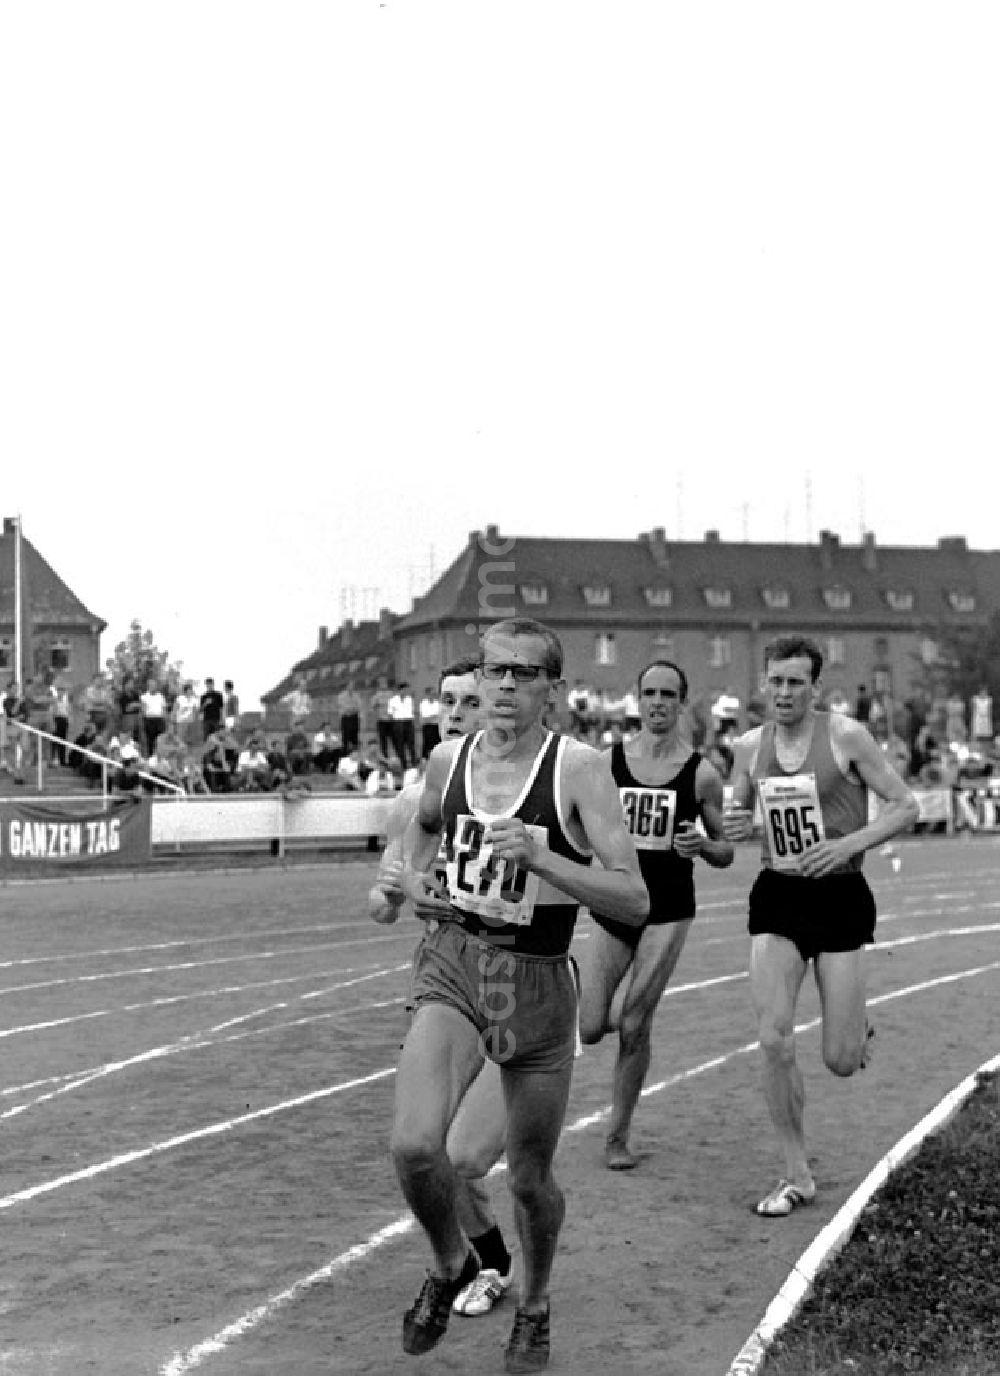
(534, 594)
(838, 599)
(776, 599)
(719, 598)
(898, 600)
(597, 595)
(659, 597)
(962, 601)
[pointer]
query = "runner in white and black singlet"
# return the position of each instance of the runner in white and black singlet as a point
(522, 811)
(478, 1132)
(665, 787)
(810, 771)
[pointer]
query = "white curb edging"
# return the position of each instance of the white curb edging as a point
(832, 1238)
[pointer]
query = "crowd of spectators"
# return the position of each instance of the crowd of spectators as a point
(194, 738)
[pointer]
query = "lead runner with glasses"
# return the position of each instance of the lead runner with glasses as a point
(523, 811)
(812, 772)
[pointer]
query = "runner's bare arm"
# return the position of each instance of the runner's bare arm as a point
(900, 810)
(386, 897)
(590, 793)
(737, 819)
(423, 835)
(713, 848)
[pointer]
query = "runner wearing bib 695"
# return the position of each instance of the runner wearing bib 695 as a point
(811, 771)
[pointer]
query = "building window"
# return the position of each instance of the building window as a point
(838, 599)
(720, 651)
(899, 601)
(534, 594)
(659, 597)
(881, 649)
(665, 646)
(605, 648)
(354, 665)
(836, 650)
(719, 598)
(928, 651)
(59, 654)
(413, 656)
(370, 662)
(597, 595)
(777, 599)
(962, 601)
(432, 651)
(6, 652)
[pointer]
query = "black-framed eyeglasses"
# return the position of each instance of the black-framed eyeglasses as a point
(520, 673)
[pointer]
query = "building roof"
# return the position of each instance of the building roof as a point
(327, 668)
(651, 580)
(48, 599)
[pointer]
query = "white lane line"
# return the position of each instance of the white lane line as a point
(110, 951)
(169, 969)
(829, 1240)
(9, 1201)
(169, 999)
(182, 1362)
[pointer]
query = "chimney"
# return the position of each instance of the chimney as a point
(869, 556)
(324, 635)
(953, 544)
(346, 631)
(385, 624)
(828, 546)
(657, 542)
(711, 537)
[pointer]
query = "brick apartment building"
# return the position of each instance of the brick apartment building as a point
(710, 604)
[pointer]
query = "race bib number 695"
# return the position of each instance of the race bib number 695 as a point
(793, 820)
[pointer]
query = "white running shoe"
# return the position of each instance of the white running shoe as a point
(481, 1294)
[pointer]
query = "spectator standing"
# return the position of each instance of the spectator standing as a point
(210, 706)
(154, 714)
(298, 702)
(403, 734)
(215, 763)
(60, 718)
(349, 707)
(97, 702)
(862, 705)
(982, 718)
(130, 707)
(430, 716)
(956, 729)
(184, 713)
(383, 717)
(230, 705)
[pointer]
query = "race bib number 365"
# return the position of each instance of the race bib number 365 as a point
(491, 887)
(793, 821)
(649, 816)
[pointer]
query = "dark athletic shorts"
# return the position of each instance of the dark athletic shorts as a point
(835, 912)
(523, 1007)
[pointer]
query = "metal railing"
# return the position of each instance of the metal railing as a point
(21, 728)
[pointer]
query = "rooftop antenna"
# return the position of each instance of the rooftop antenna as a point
(809, 508)
(861, 506)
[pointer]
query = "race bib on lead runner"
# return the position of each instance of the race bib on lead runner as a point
(793, 820)
(649, 816)
(490, 887)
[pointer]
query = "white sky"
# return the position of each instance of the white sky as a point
(294, 296)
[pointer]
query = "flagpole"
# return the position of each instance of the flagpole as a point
(17, 605)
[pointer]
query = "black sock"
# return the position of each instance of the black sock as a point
(492, 1251)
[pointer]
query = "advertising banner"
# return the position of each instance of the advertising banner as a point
(43, 838)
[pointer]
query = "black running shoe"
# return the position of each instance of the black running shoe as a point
(528, 1349)
(425, 1322)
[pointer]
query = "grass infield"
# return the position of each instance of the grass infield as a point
(917, 1287)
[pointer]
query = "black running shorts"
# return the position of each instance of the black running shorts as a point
(835, 912)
